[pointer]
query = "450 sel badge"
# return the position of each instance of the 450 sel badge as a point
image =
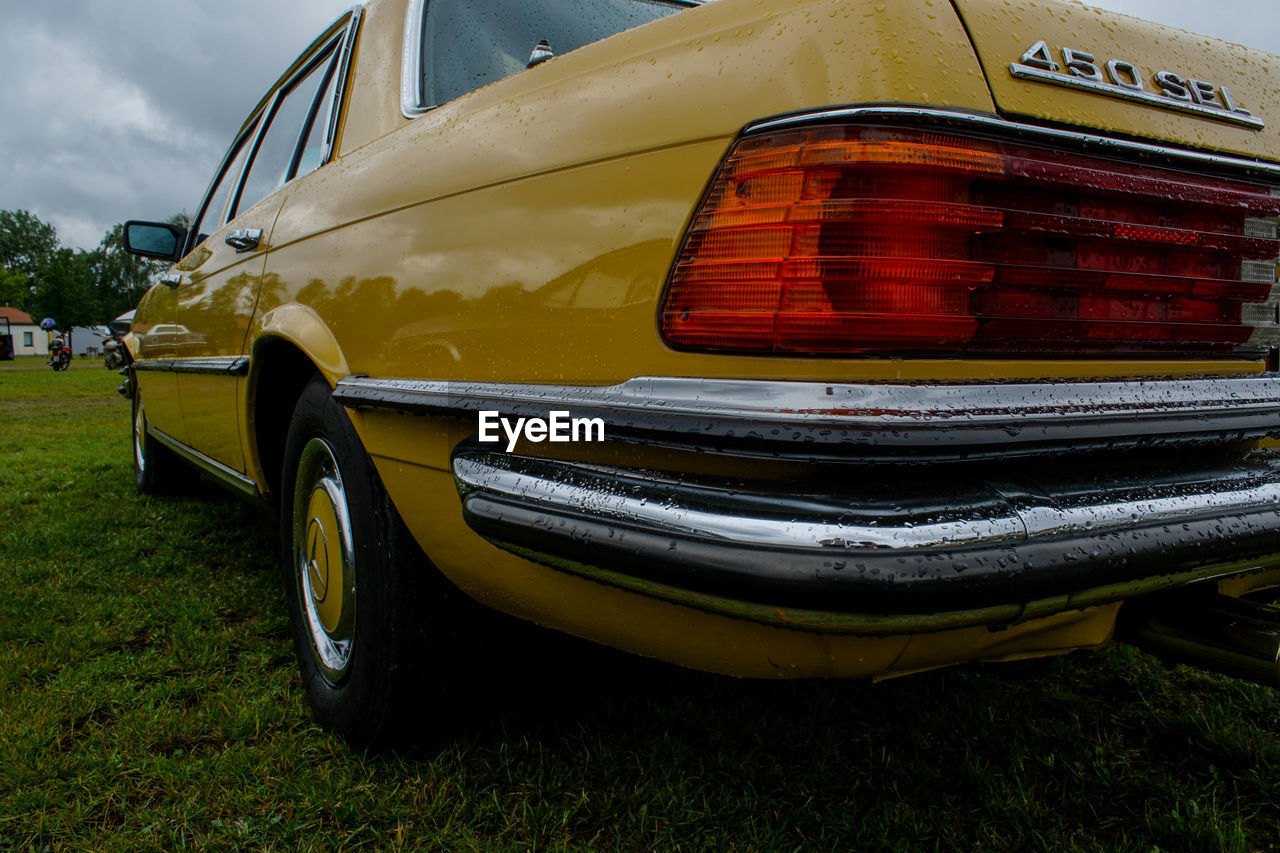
(1120, 79)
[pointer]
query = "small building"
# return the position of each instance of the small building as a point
(28, 337)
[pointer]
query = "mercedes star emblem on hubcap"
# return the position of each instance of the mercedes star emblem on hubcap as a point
(317, 559)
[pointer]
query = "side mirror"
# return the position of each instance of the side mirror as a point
(158, 240)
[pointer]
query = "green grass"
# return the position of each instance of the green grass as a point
(148, 700)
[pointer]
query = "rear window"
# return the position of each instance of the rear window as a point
(467, 44)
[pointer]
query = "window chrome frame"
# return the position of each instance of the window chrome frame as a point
(325, 54)
(411, 94)
(342, 40)
(246, 137)
(343, 72)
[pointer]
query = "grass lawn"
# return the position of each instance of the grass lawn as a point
(149, 700)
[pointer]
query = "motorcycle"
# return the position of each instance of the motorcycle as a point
(115, 355)
(59, 354)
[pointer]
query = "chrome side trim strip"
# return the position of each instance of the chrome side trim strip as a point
(237, 365)
(888, 422)
(993, 124)
(935, 548)
(1026, 72)
(230, 478)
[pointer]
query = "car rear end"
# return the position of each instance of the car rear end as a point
(934, 359)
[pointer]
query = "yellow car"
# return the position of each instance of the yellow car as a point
(777, 338)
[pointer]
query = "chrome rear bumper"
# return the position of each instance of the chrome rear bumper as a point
(875, 549)
(884, 422)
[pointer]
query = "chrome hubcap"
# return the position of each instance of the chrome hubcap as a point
(324, 559)
(139, 436)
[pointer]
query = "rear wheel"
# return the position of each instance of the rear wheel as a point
(157, 470)
(373, 622)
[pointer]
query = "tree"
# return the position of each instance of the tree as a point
(65, 291)
(74, 287)
(13, 288)
(119, 277)
(26, 243)
(26, 246)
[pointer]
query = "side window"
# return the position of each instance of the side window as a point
(215, 215)
(318, 134)
(273, 162)
(467, 44)
(28, 339)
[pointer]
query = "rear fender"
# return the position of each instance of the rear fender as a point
(297, 336)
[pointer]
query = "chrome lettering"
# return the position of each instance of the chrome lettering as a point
(1037, 56)
(1203, 93)
(1081, 64)
(1172, 86)
(1230, 102)
(1083, 71)
(1125, 75)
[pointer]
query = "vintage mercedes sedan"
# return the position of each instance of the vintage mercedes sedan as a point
(777, 338)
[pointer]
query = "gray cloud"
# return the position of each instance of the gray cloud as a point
(1255, 23)
(120, 110)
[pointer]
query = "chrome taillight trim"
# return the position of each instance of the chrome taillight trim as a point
(1003, 127)
(892, 422)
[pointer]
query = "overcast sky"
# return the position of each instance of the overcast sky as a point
(120, 110)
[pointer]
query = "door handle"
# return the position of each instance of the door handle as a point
(172, 279)
(244, 239)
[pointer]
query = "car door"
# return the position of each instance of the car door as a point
(155, 346)
(165, 342)
(221, 275)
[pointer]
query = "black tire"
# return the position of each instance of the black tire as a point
(157, 470)
(382, 661)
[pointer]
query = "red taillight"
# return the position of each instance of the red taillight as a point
(891, 241)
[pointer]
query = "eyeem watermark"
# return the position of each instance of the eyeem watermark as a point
(558, 427)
